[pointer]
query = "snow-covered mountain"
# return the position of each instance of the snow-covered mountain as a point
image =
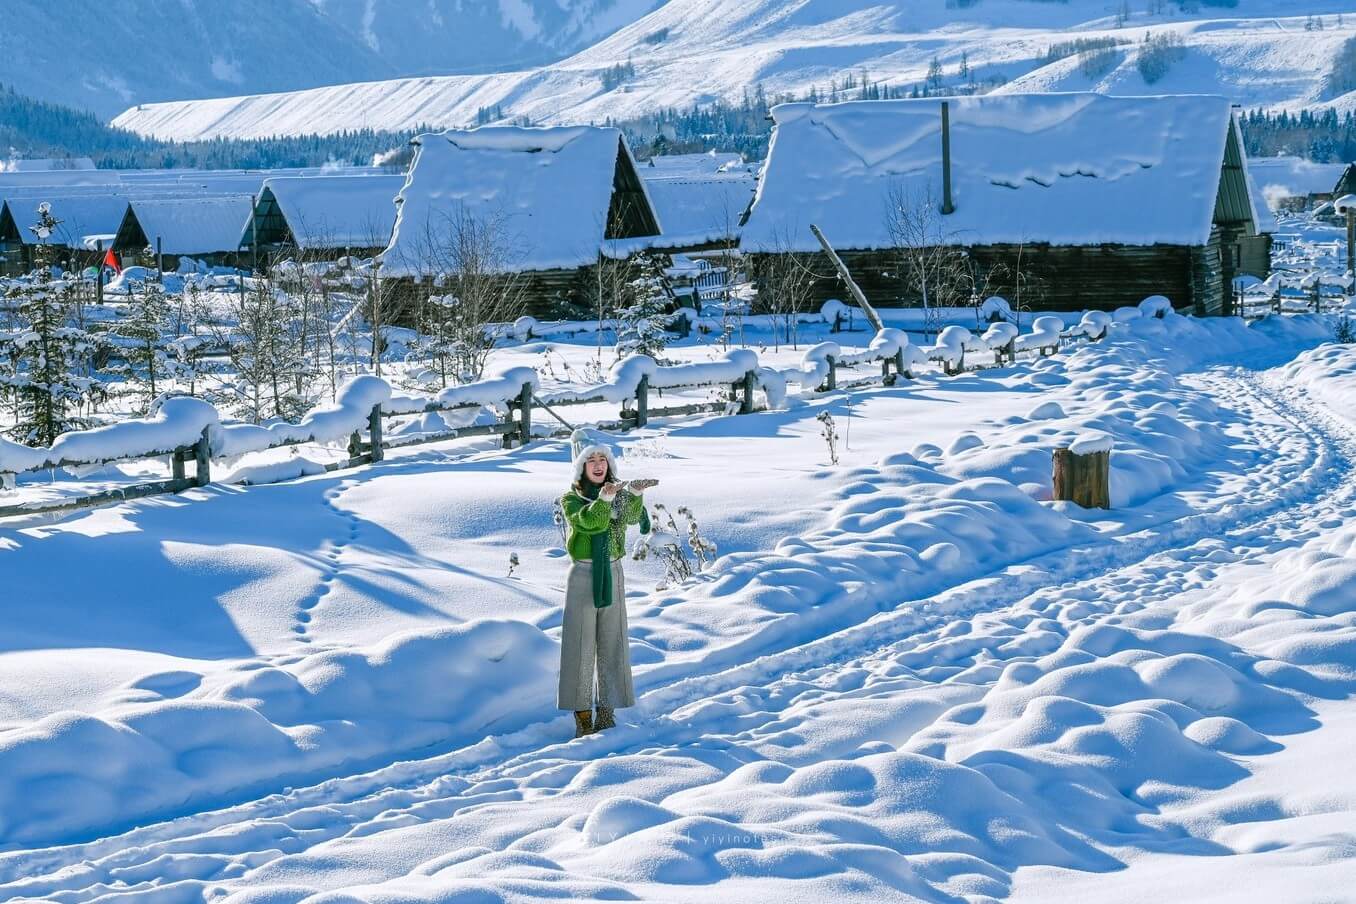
(1259, 52)
(105, 57)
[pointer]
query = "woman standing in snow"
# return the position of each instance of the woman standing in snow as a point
(597, 510)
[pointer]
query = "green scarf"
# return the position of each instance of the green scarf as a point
(600, 549)
(600, 553)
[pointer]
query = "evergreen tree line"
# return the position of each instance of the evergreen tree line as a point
(35, 128)
(1323, 136)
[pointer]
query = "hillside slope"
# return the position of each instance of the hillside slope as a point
(108, 56)
(1259, 52)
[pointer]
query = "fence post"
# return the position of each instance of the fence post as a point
(885, 378)
(1318, 297)
(643, 401)
(202, 455)
(900, 369)
(374, 431)
(177, 463)
(525, 414)
(746, 401)
(831, 383)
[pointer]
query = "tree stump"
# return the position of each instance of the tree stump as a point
(1082, 472)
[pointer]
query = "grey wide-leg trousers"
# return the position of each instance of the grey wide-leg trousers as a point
(592, 637)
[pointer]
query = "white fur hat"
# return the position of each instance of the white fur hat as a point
(584, 444)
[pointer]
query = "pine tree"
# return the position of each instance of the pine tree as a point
(934, 77)
(52, 376)
(143, 328)
(641, 320)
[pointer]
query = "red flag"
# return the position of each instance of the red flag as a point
(111, 260)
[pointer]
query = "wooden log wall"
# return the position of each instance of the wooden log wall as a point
(1059, 278)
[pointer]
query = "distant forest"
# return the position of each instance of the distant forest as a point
(32, 128)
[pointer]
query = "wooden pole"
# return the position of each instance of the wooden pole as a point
(374, 433)
(525, 414)
(947, 206)
(202, 453)
(746, 399)
(847, 278)
(831, 381)
(99, 274)
(159, 261)
(643, 400)
(177, 464)
(1351, 245)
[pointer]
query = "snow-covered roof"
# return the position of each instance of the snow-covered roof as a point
(338, 211)
(688, 166)
(1067, 169)
(551, 190)
(202, 225)
(79, 216)
(696, 211)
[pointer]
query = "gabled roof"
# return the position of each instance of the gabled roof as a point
(556, 194)
(78, 216)
(334, 211)
(198, 225)
(697, 210)
(1346, 183)
(1067, 169)
(689, 166)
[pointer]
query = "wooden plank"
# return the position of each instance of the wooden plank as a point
(459, 433)
(121, 494)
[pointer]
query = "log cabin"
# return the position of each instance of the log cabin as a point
(548, 203)
(323, 217)
(1096, 201)
(206, 228)
(83, 219)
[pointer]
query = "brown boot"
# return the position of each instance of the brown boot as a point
(583, 722)
(606, 719)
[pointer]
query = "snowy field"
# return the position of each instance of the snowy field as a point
(908, 676)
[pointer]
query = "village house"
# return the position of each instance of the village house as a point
(545, 207)
(205, 228)
(1070, 201)
(323, 217)
(82, 220)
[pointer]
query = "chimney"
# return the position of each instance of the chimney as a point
(947, 206)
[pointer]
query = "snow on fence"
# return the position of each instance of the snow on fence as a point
(185, 429)
(1279, 293)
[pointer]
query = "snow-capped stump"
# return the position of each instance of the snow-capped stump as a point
(1082, 471)
(1001, 337)
(1044, 337)
(1155, 306)
(995, 308)
(1094, 324)
(952, 342)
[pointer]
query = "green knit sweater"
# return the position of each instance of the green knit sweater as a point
(584, 518)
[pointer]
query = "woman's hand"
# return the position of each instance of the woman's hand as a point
(609, 491)
(640, 486)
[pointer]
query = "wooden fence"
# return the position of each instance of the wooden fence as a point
(369, 441)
